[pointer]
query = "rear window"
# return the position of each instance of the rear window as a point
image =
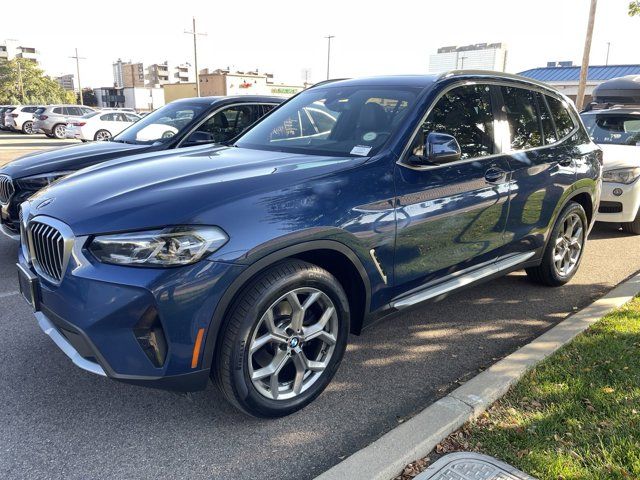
(29, 109)
(520, 107)
(561, 116)
(39, 110)
(616, 129)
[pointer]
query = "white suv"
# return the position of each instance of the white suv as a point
(21, 119)
(617, 131)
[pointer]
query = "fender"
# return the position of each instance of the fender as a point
(229, 295)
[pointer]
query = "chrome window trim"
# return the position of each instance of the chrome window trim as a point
(68, 240)
(208, 117)
(402, 161)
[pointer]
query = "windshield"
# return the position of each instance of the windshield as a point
(162, 124)
(617, 129)
(335, 121)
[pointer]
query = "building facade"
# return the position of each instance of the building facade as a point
(141, 99)
(164, 73)
(565, 77)
(11, 49)
(128, 74)
(480, 56)
(224, 82)
(67, 82)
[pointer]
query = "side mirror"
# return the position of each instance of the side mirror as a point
(439, 148)
(199, 137)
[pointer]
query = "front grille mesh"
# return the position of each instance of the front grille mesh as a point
(6, 189)
(48, 249)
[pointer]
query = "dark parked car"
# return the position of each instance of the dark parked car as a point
(188, 122)
(252, 262)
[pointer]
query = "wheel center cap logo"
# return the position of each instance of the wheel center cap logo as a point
(294, 342)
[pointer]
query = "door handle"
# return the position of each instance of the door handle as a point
(494, 175)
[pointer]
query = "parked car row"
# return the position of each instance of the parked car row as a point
(67, 121)
(241, 240)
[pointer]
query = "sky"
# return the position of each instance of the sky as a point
(285, 37)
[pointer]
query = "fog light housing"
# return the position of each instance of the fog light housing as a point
(617, 192)
(150, 335)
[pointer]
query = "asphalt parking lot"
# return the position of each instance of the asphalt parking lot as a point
(57, 421)
(13, 145)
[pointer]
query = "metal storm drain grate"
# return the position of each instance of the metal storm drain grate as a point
(471, 466)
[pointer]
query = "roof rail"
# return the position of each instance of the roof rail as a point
(331, 80)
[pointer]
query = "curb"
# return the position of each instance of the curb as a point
(386, 457)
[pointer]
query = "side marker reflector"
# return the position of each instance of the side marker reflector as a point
(196, 348)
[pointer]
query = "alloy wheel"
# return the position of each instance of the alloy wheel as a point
(60, 131)
(293, 343)
(28, 128)
(103, 136)
(568, 245)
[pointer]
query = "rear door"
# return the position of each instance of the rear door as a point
(542, 162)
(451, 217)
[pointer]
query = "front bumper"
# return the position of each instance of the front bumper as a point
(619, 208)
(94, 315)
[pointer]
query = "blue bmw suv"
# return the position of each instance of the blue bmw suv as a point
(250, 263)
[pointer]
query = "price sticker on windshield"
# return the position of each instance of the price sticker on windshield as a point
(362, 150)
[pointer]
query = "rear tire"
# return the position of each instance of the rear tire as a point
(59, 131)
(293, 319)
(27, 128)
(632, 228)
(564, 250)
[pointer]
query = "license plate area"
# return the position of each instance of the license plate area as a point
(29, 287)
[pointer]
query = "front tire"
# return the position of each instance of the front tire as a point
(27, 128)
(564, 250)
(102, 136)
(59, 131)
(632, 227)
(283, 340)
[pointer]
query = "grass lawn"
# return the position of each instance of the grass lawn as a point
(575, 416)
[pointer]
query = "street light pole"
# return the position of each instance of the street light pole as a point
(195, 34)
(585, 56)
(78, 58)
(608, 48)
(329, 37)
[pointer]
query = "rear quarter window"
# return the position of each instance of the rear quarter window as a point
(561, 116)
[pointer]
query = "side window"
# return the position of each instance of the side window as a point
(466, 113)
(86, 111)
(108, 117)
(131, 117)
(561, 116)
(267, 108)
(522, 117)
(58, 110)
(548, 128)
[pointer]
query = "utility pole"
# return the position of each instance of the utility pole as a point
(78, 58)
(195, 34)
(20, 84)
(608, 48)
(329, 37)
(585, 55)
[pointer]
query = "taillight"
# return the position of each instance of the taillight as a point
(79, 124)
(14, 115)
(42, 117)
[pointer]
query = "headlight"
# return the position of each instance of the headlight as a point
(169, 247)
(621, 175)
(38, 182)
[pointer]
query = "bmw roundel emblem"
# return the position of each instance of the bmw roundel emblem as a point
(294, 342)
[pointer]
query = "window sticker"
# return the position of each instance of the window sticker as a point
(362, 150)
(369, 136)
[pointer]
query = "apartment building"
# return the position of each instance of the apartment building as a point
(11, 49)
(163, 73)
(128, 74)
(67, 82)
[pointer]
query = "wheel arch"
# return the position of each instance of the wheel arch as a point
(333, 256)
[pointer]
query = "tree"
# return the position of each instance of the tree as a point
(23, 82)
(634, 8)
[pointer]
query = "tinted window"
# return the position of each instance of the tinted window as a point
(58, 110)
(131, 117)
(108, 117)
(226, 124)
(561, 116)
(548, 128)
(619, 129)
(86, 111)
(29, 109)
(522, 117)
(464, 112)
(39, 110)
(267, 108)
(357, 120)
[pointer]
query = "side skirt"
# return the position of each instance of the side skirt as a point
(461, 279)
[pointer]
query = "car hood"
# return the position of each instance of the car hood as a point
(620, 156)
(181, 188)
(69, 158)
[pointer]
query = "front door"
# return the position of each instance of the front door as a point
(452, 216)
